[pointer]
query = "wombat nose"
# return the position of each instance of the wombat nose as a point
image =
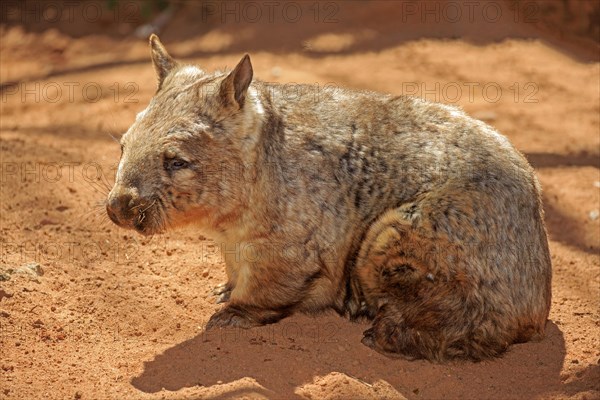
(111, 213)
(121, 207)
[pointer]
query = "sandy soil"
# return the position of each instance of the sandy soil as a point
(88, 311)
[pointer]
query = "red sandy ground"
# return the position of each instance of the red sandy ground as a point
(116, 315)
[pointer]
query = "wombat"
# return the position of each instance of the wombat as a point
(391, 208)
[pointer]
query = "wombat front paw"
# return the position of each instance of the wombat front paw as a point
(223, 292)
(229, 317)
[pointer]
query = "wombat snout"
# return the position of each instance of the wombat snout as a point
(124, 206)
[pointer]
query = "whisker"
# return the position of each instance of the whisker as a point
(108, 185)
(113, 138)
(144, 210)
(91, 211)
(96, 188)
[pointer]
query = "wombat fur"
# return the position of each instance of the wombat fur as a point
(395, 209)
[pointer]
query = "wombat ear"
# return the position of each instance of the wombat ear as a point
(162, 61)
(235, 85)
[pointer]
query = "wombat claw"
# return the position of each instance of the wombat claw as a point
(224, 297)
(368, 339)
(223, 293)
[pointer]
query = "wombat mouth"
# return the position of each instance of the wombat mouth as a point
(147, 222)
(147, 229)
(141, 229)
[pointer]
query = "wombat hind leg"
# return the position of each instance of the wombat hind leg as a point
(426, 299)
(369, 340)
(392, 337)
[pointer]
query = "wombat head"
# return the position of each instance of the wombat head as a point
(179, 159)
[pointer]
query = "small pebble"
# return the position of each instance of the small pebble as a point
(594, 214)
(34, 268)
(205, 273)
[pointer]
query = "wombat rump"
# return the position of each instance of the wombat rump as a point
(406, 212)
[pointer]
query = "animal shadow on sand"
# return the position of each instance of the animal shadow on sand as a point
(282, 357)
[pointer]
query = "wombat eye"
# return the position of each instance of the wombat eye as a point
(175, 164)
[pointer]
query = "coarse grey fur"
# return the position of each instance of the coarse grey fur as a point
(396, 209)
